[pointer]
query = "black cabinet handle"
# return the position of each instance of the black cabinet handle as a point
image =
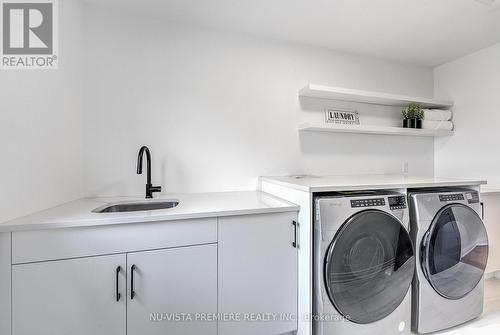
(294, 243)
(132, 292)
(118, 295)
(482, 210)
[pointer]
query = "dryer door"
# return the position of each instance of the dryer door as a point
(369, 266)
(454, 251)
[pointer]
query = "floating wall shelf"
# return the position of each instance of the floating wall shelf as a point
(377, 130)
(369, 97)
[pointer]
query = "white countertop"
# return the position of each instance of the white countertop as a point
(364, 182)
(490, 190)
(191, 206)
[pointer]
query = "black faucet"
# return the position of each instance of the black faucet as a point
(149, 187)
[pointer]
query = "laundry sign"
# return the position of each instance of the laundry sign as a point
(342, 116)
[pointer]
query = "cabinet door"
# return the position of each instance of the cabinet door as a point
(491, 215)
(171, 290)
(258, 274)
(77, 297)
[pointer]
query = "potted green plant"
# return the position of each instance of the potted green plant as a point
(404, 113)
(413, 116)
(419, 116)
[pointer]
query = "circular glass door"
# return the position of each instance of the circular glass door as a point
(455, 251)
(369, 266)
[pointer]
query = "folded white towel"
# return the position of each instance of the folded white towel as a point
(437, 125)
(437, 115)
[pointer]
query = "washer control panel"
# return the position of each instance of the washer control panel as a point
(397, 202)
(451, 197)
(367, 202)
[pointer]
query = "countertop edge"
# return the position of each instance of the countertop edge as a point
(393, 186)
(285, 184)
(313, 189)
(135, 220)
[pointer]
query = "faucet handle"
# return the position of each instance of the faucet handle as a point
(150, 189)
(155, 189)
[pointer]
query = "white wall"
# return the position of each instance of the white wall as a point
(473, 83)
(41, 132)
(219, 109)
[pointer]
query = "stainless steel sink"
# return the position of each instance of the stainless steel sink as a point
(137, 206)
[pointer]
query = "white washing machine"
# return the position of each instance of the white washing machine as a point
(363, 264)
(452, 251)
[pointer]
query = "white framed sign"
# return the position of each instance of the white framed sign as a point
(341, 116)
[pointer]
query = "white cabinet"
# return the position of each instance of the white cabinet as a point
(170, 291)
(173, 290)
(53, 244)
(154, 280)
(77, 297)
(5, 283)
(258, 273)
(491, 222)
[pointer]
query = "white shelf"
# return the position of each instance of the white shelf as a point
(369, 97)
(377, 130)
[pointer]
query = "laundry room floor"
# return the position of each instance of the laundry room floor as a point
(489, 322)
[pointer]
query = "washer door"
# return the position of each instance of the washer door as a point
(454, 251)
(369, 266)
